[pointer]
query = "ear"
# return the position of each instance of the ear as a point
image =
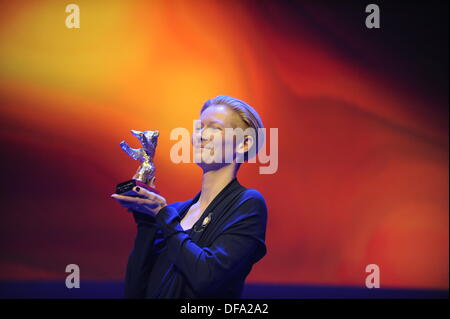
(245, 145)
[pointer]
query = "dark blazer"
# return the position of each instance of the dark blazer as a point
(209, 261)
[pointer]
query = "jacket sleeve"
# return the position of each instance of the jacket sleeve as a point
(237, 247)
(147, 245)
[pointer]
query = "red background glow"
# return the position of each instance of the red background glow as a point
(363, 134)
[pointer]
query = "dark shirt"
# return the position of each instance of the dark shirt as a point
(211, 260)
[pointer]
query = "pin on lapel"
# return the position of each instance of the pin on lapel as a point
(205, 223)
(207, 220)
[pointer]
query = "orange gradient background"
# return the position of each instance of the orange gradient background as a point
(363, 137)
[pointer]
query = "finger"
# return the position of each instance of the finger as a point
(136, 202)
(149, 195)
(126, 204)
(151, 183)
(143, 192)
(128, 199)
(158, 199)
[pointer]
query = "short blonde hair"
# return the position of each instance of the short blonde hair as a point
(248, 115)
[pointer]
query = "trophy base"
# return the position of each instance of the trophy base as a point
(126, 188)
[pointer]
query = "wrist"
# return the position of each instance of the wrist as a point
(142, 218)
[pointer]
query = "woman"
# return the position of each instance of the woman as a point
(204, 247)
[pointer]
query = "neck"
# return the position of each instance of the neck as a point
(213, 181)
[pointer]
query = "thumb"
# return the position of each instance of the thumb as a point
(151, 183)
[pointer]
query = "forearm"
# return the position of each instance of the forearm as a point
(147, 244)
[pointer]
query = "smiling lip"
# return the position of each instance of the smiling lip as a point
(204, 148)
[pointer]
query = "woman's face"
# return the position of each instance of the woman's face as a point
(209, 139)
